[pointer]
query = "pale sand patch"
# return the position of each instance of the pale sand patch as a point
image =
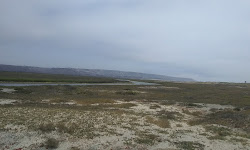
(46, 100)
(69, 103)
(8, 90)
(208, 107)
(7, 101)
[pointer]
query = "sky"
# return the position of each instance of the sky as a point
(203, 40)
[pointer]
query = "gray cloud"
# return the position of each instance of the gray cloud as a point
(204, 40)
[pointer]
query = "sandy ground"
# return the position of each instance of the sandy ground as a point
(130, 131)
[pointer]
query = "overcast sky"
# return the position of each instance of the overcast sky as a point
(207, 40)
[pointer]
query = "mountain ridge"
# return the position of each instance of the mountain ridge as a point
(91, 72)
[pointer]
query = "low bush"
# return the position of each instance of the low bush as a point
(52, 143)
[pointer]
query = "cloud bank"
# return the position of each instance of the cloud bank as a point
(204, 40)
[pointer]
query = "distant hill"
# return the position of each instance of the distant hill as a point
(91, 72)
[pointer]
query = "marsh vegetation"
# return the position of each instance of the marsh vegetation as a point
(54, 78)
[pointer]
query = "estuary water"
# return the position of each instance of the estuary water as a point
(76, 84)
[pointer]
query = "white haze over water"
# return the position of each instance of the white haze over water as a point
(203, 40)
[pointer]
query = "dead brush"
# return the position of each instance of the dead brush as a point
(171, 115)
(155, 106)
(160, 122)
(146, 138)
(219, 132)
(46, 127)
(70, 128)
(229, 118)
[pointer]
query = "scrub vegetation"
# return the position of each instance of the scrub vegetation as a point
(164, 116)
